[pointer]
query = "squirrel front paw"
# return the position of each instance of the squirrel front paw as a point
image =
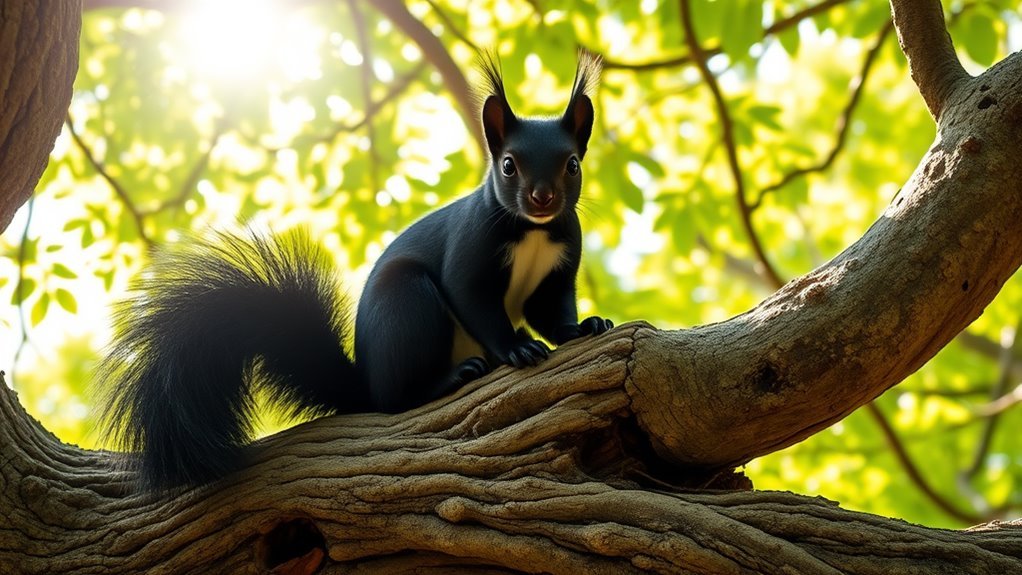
(527, 353)
(594, 325)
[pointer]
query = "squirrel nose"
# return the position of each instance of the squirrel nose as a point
(541, 196)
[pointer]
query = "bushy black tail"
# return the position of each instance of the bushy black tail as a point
(211, 322)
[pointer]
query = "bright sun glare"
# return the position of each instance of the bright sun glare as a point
(246, 40)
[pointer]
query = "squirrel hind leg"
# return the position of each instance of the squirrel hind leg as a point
(403, 337)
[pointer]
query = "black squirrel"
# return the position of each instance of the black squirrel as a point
(219, 318)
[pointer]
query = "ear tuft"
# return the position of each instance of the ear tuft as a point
(497, 116)
(578, 117)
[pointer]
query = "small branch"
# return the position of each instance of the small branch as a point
(685, 59)
(366, 69)
(1001, 404)
(1008, 350)
(450, 25)
(844, 122)
(20, 288)
(727, 131)
(672, 62)
(118, 189)
(932, 61)
(397, 88)
(192, 179)
(434, 51)
(913, 472)
(797, 17)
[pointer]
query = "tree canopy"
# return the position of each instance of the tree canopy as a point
(738, 144)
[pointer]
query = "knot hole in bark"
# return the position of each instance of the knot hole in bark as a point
(768, 379)
(986, 102)
(292, 547)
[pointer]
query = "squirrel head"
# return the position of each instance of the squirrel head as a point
(536, 163)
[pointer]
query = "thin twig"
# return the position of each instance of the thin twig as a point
(451, 26)
(1008, 351)
(192, 179)
(118, 189)
(1000, 404)
(669, 62)
(366, 68)
(727, 131)
(913, 471)
(797, 17)
(843, 124)
(435, 51)
(20, 288)
(685, 59)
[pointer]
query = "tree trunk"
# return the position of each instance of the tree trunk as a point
(38, 62)
(594, 462)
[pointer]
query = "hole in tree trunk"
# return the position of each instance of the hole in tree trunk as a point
(292, 547)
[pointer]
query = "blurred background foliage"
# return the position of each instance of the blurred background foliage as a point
(349, 118)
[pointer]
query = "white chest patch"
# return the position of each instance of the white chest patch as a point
(530, 260)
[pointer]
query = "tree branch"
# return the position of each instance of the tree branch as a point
(447, 486)
(436, 53)
(686, 59)
(800, 15)
(844, 122)
(19, 289)
(727, 131)
(38, 62)
(116, 186)
(451, 26)
(192, 179)
(932, 61)
(901, 454)
(959, 214)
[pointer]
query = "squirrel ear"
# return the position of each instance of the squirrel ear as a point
(496, 120)
(578, 118)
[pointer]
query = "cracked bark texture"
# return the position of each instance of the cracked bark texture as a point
(38, 63)
(574, 466)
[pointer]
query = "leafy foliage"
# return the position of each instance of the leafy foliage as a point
(330, 116)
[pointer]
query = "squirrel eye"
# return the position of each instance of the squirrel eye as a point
(573, 166)
(507, 166)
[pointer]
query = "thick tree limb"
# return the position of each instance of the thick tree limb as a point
(38, 63)
(534, 471)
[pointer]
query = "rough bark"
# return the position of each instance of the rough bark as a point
(38, 63)
(573, 466)
(538, 471)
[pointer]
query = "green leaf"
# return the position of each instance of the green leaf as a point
(766, 115)
(26, 289)
(62, 271)
(42, 305)
(631, 195)
(979, 37)
(790, 40)
(66, 300)
(741, 28)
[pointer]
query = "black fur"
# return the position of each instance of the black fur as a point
(219, 318)
(212, 320)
